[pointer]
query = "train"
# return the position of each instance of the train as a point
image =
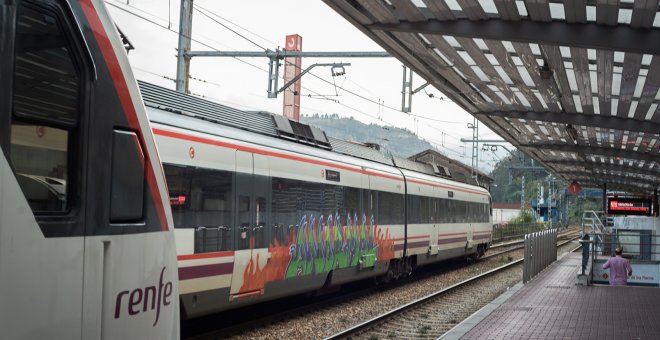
(126, 206)
(266, 207)
(86, 231)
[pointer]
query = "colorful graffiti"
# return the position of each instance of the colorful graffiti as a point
(319, 245)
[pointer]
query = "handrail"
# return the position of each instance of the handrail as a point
(593, 219)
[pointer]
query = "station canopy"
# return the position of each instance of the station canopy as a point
(572, 84)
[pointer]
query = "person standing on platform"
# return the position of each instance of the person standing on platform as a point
(585, 241)
(619, 267)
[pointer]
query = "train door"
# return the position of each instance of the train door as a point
(469, 222)
(252, 214)
(435, 212)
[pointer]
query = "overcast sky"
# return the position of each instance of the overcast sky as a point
(264, 24)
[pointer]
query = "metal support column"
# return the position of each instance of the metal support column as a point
(522, 194)
(539, 197)
(475, 148)
(550, 187)
(406, 90)
(605, 203)
(273, 76)
(182, 59)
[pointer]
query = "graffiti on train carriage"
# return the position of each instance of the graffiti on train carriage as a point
(319, 245)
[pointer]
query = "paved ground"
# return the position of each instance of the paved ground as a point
(551, 306)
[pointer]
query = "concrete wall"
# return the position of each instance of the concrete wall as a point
(501, 215)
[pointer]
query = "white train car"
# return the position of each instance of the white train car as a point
(264, 207)
(86, 240)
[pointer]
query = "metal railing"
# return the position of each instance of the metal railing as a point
(540, 252)
(594, 220)
(642, 247)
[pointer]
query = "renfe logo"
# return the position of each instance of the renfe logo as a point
(148, 298)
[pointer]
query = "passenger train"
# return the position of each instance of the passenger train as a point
(265, 207)
(260, 207)
(86, 240)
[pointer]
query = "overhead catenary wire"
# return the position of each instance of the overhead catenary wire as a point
(209, 15)
(203, 11)
(142, 17)
(215, 84)
(237, 25)
(380, 104)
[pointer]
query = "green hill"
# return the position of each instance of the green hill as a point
(400, 142)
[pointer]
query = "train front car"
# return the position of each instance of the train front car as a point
(86, 248)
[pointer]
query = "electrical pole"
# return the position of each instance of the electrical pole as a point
(475, 148)
(539, 197)
(550, 201)
(185, 34)
(522, 195)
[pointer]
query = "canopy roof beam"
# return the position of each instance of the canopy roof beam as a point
(580, 119)
(622, 38)
(606, 177)
(608, 167)
(591, 150)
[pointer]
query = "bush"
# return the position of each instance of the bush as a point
(525, 216)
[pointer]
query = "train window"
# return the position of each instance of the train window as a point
(459, 211)
(332, 199)
(390, 207)
(178, 183)
(470, 211)
(199, 197)
(202, 199)
(211, 197)
(46, 81)
(286, 201)
(441, 213)
(40, 158)
(368, 200)
(261, 222)
(244, 222)
(425, 209)
(312, 204)
(46, 108)
(413, 209)
(351, 207)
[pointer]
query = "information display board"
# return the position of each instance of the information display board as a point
(630, 205)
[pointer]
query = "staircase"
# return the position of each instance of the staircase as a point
(594, 220)
(592, 223)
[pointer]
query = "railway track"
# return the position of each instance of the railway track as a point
(428, 316)
(567, 233)
(319, 317)
(504, 248)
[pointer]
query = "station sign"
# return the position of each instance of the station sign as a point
(644, 274)
(630, 205)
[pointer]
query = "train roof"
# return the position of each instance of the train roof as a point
(276, 126)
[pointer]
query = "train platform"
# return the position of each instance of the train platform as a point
(552, 306)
